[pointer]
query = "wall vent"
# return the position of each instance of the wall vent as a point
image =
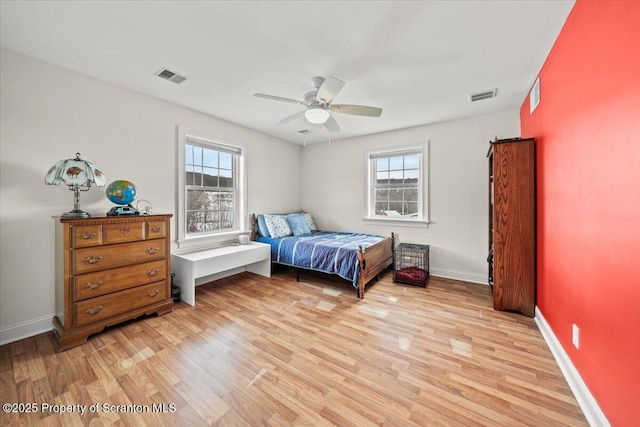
(171, 76)
(479, 96)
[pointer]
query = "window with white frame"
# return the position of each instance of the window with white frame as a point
(395, 184)
(210, 186)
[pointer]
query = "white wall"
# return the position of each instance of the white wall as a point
(334, 189)
(48, 113)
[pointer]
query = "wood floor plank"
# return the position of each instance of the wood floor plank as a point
(276, 352)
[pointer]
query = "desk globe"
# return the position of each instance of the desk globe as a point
(123, 193)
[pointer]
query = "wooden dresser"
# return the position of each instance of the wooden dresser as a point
(512, 225)
(108, 270)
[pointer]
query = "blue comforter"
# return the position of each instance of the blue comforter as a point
(329, 252)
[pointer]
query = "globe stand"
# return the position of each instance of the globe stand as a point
(123, 210)
(122, 193)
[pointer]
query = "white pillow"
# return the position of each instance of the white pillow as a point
(312, 225)
(278, 225)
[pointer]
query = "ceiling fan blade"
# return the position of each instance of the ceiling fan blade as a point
(278, 98)
(290, 118)
(331, 125)
(329, 89)
(359, 110)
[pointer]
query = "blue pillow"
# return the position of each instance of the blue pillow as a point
(298, 224)
(262, 227)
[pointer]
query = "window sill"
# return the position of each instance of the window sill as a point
(416, 223)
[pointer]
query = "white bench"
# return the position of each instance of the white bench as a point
(199, 267)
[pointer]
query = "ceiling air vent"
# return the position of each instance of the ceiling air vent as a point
(171, 76)
(304, 131)
(479, 96)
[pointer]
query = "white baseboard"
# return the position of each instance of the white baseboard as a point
(26, 329)
(587, 402)
(459, 275)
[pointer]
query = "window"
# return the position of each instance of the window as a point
(211, 188)
(395, 184)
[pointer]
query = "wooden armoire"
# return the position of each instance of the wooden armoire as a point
(512, 227)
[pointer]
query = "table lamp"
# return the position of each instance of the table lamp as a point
(79, 175)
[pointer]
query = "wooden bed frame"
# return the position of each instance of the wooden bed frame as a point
(371, 261)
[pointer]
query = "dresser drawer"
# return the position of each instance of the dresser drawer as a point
(156, 229)
(117, 279)
(105, 257)
(125, 232)
(86, 235)
(99, 308)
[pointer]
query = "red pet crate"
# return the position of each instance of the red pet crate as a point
(411, 264)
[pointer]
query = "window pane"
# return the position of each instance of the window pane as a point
(226, 219)
(410, 194)
(197, 175)
(382, 194)
(226, 161)
(226, 178)
(410, 208)
(195, 222)
(382, 178)
(395, 194)
(395, 208)
(396, 162)
(188, 154)
(210, 158)
(381, 208)
(226, 201)
(212, 203)
(382, 164)
(210, 177)
(395, 177)
(189, 175)
(212, 220)
(411, 176)
(197, 155)
(412, 161)
(194, 199)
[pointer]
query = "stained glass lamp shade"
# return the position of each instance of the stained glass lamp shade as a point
(79, 175)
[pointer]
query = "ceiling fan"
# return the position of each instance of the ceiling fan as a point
(318, 104)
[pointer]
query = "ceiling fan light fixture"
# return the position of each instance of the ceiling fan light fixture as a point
(316, 115)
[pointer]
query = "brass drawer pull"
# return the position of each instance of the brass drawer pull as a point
(88, 236)
(153, 272)
(156, 229)
(152, 251)
(153, 293)
(95, 285)
(125, 230)
(93, 259)
(94, 310)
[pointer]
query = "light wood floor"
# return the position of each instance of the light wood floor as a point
(257, 352)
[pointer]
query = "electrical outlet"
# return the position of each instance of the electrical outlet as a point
(576, 336)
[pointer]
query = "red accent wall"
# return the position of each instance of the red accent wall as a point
(587, 128)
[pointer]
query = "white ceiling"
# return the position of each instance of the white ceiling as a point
(417, 60)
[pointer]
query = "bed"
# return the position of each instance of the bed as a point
(356, 257)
